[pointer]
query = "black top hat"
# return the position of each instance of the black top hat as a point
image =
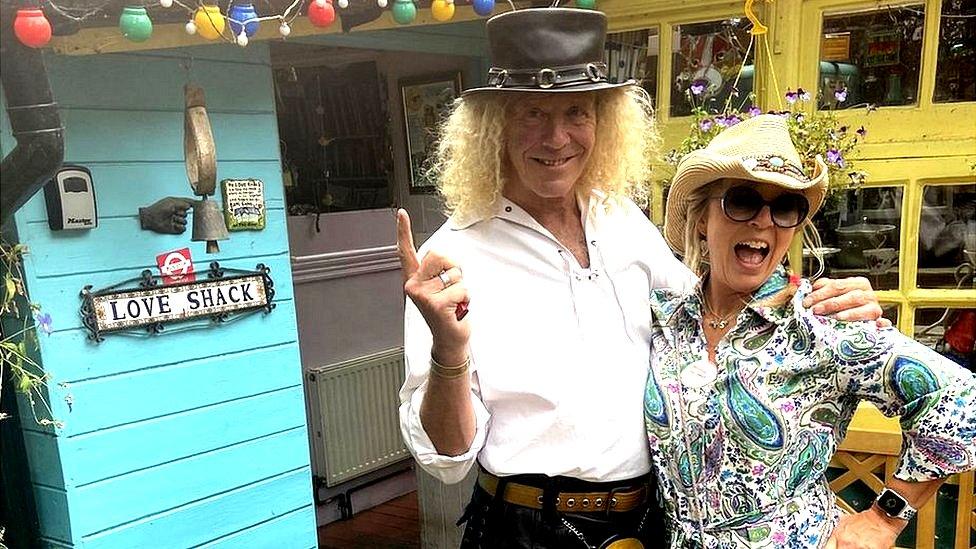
(547, 50)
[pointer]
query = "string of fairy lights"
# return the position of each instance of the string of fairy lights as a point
(239, 21)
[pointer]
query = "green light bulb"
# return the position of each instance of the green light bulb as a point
(404, 11)
(135, 23)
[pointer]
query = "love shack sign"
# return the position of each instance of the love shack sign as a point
(225, 293)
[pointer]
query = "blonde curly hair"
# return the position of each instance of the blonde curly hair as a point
(469, 161)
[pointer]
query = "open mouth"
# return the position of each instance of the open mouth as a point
(751, 252)
(553, 162)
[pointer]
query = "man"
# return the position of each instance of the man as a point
(543, 382)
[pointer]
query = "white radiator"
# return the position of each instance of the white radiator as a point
(354, 415)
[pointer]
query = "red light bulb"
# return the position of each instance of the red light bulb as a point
(32, 28)
(321, 16)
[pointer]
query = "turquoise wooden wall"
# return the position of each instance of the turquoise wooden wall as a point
(187, 438)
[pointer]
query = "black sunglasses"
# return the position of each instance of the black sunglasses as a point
(743, 203)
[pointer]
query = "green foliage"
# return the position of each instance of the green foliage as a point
(819, 133)
(16, 348)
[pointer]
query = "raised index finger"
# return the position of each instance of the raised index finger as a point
(405, 248)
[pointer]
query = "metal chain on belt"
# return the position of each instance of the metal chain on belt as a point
(569, 526)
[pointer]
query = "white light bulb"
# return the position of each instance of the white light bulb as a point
(284, 29)
(166, 3)
(343, 4)
(242, 39)
(381, 3)
(191, 27)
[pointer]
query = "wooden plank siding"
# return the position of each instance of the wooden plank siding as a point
(193, 437)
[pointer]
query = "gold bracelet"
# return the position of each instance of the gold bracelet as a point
(449, 372)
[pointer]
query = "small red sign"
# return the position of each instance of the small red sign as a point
(176, 266)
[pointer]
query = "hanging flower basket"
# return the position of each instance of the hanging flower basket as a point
(819, 133)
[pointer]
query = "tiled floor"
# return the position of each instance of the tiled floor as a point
(392, 525)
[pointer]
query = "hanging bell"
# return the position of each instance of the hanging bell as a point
(208, 224)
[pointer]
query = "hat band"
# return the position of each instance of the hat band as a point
(775, 163)
(546, 77)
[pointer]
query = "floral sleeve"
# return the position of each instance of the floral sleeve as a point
(934, 397)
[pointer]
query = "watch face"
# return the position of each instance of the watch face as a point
(891, 504)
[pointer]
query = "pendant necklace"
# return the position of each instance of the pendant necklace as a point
(717, 322)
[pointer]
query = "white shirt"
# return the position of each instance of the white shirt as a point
(559, 353)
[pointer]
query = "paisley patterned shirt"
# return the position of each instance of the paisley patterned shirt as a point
(743, 444)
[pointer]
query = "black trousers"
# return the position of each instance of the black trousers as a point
(491, 523)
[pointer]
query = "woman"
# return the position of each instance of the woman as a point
(750, 394)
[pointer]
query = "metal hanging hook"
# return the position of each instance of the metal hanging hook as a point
(757, 26)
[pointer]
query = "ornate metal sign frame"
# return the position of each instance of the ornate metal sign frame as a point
(151, 295)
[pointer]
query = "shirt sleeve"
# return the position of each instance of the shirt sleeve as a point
(417, 343)
(667, 270)
(934, 397)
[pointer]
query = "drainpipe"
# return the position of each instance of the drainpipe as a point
(34, 120)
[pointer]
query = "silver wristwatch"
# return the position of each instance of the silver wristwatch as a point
(894, 505)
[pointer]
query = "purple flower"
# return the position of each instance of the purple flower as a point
(791, 96)
(705, 124)
(44, 323)
(779, 538)
(804, 95)
(787, 406)
(722, 121)
(834, 157)
(862, 131)
(758, 469)
(698, 86)
(732, 120)
(840, 94)
(754, 111)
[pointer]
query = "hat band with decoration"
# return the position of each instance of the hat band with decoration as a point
(775, 163)
(547, 77)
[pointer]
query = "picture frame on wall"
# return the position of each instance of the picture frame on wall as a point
(426, 101)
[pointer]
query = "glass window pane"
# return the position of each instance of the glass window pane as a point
(633, 54)
(332, 130)
(707, 57)
(875, 55)
(949, 331)
(955, 72)
(890, 311)
(947, 237)
(861, 231)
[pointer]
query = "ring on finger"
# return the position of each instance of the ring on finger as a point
(445, 279)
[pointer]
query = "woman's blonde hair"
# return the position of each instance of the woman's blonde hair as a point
(469, 161)
(696, 257)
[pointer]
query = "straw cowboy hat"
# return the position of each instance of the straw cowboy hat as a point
(547, 50)
(757, 149)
